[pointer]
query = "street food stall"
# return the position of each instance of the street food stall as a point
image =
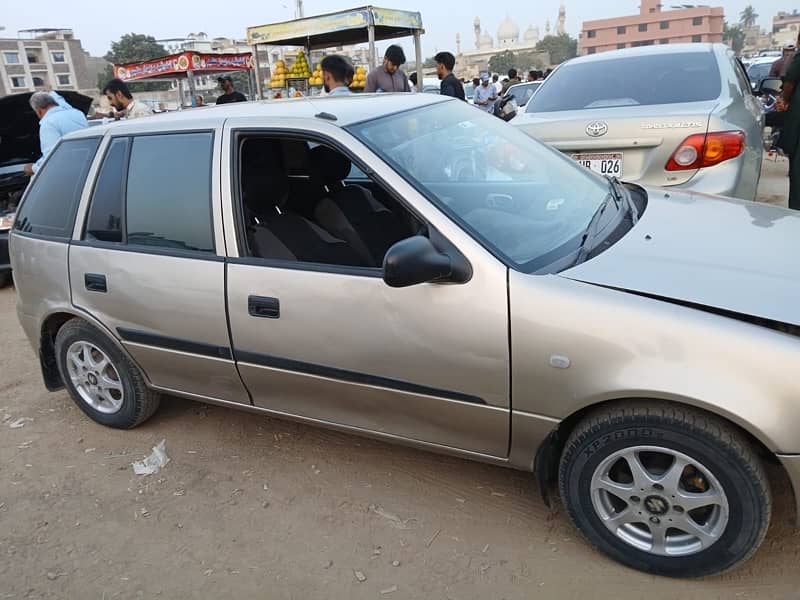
(368, 25)
(183, 67)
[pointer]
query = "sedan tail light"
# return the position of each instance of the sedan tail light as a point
(706, 150)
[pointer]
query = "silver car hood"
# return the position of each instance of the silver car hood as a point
(716, 252)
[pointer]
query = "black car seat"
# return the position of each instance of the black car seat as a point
(351, 212)
(274, 230)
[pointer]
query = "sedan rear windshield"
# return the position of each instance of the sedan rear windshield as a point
(673, 78)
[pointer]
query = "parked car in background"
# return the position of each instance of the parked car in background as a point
(523, 92)
(312, 259)
(19, 145)
(681, 116)
(758, 70)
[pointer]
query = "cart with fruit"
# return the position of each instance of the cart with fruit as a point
(357, 26)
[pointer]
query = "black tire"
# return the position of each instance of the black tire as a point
(709, 440)
(138, 401)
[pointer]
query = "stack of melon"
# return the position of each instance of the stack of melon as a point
(359, 79)
(278, 75)
(300, 70)
(316, 76)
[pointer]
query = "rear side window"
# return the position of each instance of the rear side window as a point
(50, 206)
(169, 191)
(671, 78)
(104, 222)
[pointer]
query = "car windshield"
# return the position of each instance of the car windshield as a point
(670, 78)
(526, 202)
(523, 93)
(759, 71)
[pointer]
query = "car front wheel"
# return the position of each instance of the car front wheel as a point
(665, 489)
(103, 382)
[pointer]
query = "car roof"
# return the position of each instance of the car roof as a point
(658, 50)
(346, 109)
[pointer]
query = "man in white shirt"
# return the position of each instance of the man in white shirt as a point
(337, 75)
(498, 87)
(485, 95)
(120, 97)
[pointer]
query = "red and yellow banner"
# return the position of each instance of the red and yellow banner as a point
(177, 65)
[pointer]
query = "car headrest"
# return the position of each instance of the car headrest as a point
(329, 165)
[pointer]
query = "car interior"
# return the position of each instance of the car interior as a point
(303, 201)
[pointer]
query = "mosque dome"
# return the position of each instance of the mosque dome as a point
(531, 35)
(507, 33)
(486, 41)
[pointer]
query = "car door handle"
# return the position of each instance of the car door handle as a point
(264, 308)
(95, 282)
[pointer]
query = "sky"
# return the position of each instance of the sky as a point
(97, 27)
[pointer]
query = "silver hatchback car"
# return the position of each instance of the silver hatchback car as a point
(409, 268)
(681, 116)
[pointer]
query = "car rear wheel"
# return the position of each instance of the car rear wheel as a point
(102, 381)
(665, 489)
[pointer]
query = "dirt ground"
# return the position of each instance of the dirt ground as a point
(251, 507)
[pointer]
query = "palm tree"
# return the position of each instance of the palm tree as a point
(748, 17)
(734, 36)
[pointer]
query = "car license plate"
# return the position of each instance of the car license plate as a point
(605, 164)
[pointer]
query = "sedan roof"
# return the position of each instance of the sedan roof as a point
(346, 110)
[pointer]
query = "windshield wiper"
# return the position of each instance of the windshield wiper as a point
(593, 228)
(623, 196)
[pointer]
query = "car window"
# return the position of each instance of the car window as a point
(104, 222)
(50, 206)
(526, 201)
(522, 93)
(671, 78)
(169, 191)
(741, 76)
(759, 71)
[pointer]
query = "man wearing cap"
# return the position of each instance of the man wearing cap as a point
(781, 66)
(230, 95)
(485, 95)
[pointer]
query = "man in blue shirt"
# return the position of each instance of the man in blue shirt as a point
(56, 119)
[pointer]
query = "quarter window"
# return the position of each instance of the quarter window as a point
(49, 207)
(104, 222)
(169, 192)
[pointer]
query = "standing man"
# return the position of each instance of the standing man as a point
(790, 135)
(512, 80)
(56, 119)
(230, 95)
(445, 63)
(389, 77)
(498, 87)
(485, 95)
(781, 66)
(120, 97)
(337, 73)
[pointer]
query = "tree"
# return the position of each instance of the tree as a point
(429, 63)
(502, 62)
(133, 47)
(748, 17)
(560, 47)
(531, 60)
(734, 36)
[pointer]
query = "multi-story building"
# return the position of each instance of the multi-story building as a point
(47, 58)
(653, 26)
(785, 28)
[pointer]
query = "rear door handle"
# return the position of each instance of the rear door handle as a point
(95, 282)
(264, 308)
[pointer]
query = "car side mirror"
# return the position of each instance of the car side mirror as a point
(416, 260)
(771, 85)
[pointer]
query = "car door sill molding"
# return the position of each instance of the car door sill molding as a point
(388, 437)
(295, 366)
(170, 343)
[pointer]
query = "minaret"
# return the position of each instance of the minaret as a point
(547, 27)
(562, 20)
(458, 44)
(476, 27)
(299, 9)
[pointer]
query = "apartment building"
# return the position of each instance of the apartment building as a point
(653, 25)
(42, 58)
(786, 28)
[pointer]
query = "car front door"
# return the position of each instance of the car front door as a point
(145, 261)
(335, 344)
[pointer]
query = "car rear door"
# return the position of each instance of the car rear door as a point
(147, 260)
(334, 344)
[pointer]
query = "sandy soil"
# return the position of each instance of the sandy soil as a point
(251, 507)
